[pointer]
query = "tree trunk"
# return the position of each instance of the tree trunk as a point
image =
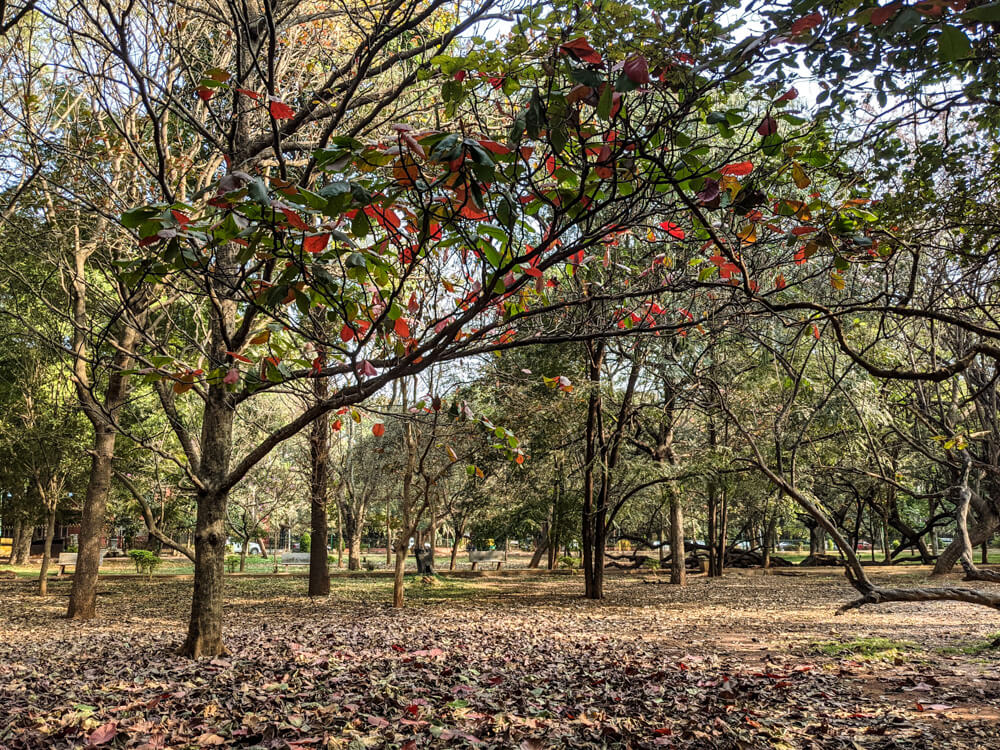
(15, 541)
(50, 532)
(595, 355)
(204, 636)
(23, 551)
(352, 530)
(83, 594)
(340, 538)
(769, 539)
(397, 579)
(243, 554)
(713, 515)
(459, 531)
(678, 574)
(319, 452)
(541, 546)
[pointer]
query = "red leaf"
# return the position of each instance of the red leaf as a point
(460, 76)
(240, 357)
(378, 429)
(181, 218)
(401, 328)
(205, 93)
(315, 243)
(247, 92)
(346, 333)
(581, 50)
(883, 14)
(280, 110)
(779, 282)
(102, 735)
(799, 231)
(768, 126)
(806, 22)
(792, 93)
(815, 330)
(294, 219)
(337, 424)
(672, 229)
(636, 69)
(738, 169)
(494, 147)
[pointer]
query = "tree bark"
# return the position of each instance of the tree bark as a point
(50, 532)
(678, 574)
(15, 541)
(204, 636)
(595, 357)
(83, 594)
(459, 530)
(319, 452)
(397, 578)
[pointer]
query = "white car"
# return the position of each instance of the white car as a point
(252, 549)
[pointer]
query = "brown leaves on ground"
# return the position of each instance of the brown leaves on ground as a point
(499, 663)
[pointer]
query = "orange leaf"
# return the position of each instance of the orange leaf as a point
(378, 429)
(738, 169)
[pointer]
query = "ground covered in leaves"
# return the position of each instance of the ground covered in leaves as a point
(749, 661)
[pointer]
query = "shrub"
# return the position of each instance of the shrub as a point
(652, 563)
(569, 562)
(145, 561)
(232, 563)
(369, 565)
(305, 542)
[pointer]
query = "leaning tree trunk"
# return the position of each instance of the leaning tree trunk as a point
(319, 452)
(83, 594)
(459, 530)
(50, 532)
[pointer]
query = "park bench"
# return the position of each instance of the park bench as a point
(477, 556)
(69, 558)
(294, 558)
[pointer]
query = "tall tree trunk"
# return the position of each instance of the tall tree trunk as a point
(319, 452)
(678, 574)
(83, 594)
(769, 539)
(352, 530)
(595, 357)
(398, 570)
(340, 538)
(243, 554)
(713, 529)
(50, 532)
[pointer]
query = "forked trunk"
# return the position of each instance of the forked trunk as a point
(83, 594)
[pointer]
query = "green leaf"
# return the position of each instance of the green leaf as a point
(953, 44)
(989, 12)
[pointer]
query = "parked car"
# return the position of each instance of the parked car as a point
(863, 545)
(252, 549)
(944, 541)
(790, 544)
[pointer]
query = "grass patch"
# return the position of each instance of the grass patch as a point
(866, 648)
(974, 648)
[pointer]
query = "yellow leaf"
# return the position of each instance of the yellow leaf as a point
(837, 281)
(799, 175)
(748, 234)
(261, 338)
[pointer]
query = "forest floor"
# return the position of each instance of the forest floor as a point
(747, 661)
